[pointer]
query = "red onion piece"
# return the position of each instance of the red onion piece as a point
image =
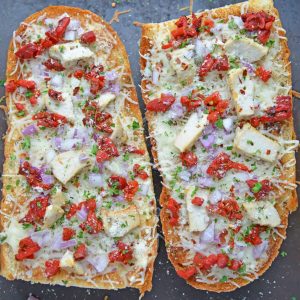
(215, 197)
(41, 237)
(119, 198)
(155, 77)
(205, 182)
(30, 130)
(111, 75)
(176, 111)
(185, 175)
(57, 81)
(82, 214)
(99, 262)
(83, 157)
(260, 249)
(250, 68)
(57, 142)
(207, 140)
(95, 180)
(70, 35)
(59, 244)
(144, 189)
(47, 179)
(208, 235)
(73, 25)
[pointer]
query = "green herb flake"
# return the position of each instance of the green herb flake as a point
(232, 24)
(283, 253)
(270, 43)
(224, 279)
(257, 187)
(94, 149)
(135, 125)
(219, 123)
(26, 144)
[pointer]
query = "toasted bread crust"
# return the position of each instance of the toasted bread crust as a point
(289, 199)
(9, 266)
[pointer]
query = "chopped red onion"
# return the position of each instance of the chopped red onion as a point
(155, 76)
(70, 35)
(260, 249)
(99, 262)
(208, 235)
(205, 182)
(30, 130)
(60, 244)
(57, 81)
(95, 179)
(82, 214)
(242, 176)
(73, 25)
(201, 49)
(185, 175)
(47, 179)
(119, 198)
(144, 189)
(228, 124)
(111, 75)
(188, 54)
(41, 237)
(207, 140)
(250, 68)
(57, 142)
(176, 111)
(215, 197)
(83, 157)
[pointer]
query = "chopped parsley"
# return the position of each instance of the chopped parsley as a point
(249, 142)
(26, 225)
(232, 24)
(135, 125)
(2, 81)
(257, 187)
(94, 149)
(126, 156)
(270, 43)
(219, 123)
(233, 63)
(26, 143)
(224, 279)
(283, 253)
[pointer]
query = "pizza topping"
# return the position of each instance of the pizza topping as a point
(227, 208)
(52, 267)
(81, 252)
(53, 64)
(130, 190)
(222, 164)
(216, 106)
(88, 37)
(173, 206)
(263, 74)
(187, 273)
(68, 233)
(210, 64)
(260, 22)
(27, 249)
(49, 120)
(138, 171)
(259, 189)
(107, 149)
(37, 210)
(161, 104)
(192, 102)
(123, 254)
(188, 159)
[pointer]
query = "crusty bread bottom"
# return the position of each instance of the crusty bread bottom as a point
(286, 204)
(9, 266)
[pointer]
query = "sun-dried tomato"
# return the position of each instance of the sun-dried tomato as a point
(53, 64)
(222, 163)
(118, 181)
(282, 111)
(227, 209)
(188, 159)
(78, 74)
(205, 263)
(96, 79)
(81, 252)
(260, 22)
(192, 102)
(260, 189)
(52, 267)
(55, 95)
(187, 272)
(68, 233)
(198, 201)
(33, 176)
(27, 249)
(49, 120)
(211, 63)
(92, 224)
(88, 37)
(161, 104)
(37, 210)
(253, 237)
(173, 206)
(263, 74)
(134, 150)
(130, 190)
(139, 172)
(107, 149)
(123, 254)
(28, 51)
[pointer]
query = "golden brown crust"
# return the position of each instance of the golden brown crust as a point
(289, 199)
(9, 266)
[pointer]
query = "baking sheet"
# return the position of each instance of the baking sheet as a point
(281, 281)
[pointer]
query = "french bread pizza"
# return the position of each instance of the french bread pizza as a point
(78, 205)
(217, 89)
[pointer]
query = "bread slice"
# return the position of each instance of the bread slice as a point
(160, 75)
(72, 167)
